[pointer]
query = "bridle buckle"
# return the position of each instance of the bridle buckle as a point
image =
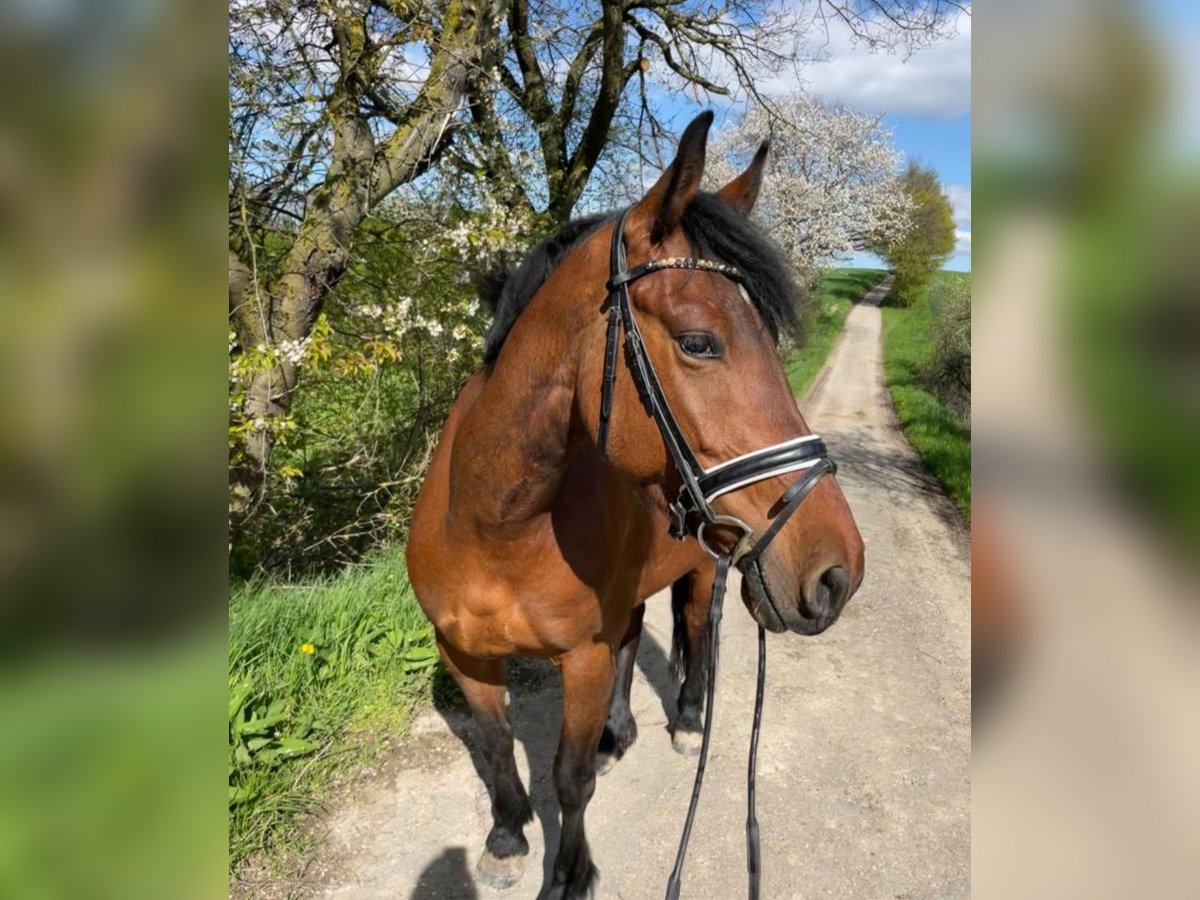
(678, 514)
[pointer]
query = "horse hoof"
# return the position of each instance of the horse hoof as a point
(500, 873)
(605, 763)
(686, 743)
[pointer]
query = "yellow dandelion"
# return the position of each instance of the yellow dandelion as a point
(308, 648)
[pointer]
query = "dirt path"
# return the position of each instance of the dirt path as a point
(864, 779)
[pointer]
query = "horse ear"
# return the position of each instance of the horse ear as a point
(742, 192)
(664, 203)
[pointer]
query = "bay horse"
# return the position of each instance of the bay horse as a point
(538, 533)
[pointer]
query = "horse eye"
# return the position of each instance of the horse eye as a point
(699, 344)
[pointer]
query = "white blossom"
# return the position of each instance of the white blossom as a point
(492, 233)
(293, 351)
(832, 182)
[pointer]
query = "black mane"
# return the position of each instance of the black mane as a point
(714, 228)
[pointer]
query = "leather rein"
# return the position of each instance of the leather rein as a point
(691, 511)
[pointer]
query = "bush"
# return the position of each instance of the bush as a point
(910, 287)
(919, 345)
(396, 339)
(950, 371)
(917, 255)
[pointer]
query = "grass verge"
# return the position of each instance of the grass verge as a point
(941, 439)
(826, 315)
(320, 675)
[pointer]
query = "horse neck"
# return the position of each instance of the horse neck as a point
(514, 444)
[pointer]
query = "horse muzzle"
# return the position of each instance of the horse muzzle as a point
(808, 611)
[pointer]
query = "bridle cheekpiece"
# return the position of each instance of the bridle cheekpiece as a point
(690, 511)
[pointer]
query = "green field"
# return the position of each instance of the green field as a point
(835, 294)
(941, 438)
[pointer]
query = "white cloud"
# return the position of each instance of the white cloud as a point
(960, 205)
(933, 82)
(960, 202)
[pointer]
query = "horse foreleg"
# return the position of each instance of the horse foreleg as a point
(620, 731)
(691, 596)
(485, 684)
(587, 677)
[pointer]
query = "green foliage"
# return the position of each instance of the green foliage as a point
(928, 242)
(823, 319)
(939, 435)
(314, 670)
(106, 769)
(389, 353)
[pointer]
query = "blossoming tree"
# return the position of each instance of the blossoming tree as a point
(583, 87)
(833, 183)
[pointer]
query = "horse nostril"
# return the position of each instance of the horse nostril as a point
(833, 589)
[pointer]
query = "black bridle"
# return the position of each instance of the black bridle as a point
(691, 510)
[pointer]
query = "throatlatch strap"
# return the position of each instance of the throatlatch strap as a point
(616, 263)
(610, 372)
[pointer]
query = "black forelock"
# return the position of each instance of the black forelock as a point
(715, 229)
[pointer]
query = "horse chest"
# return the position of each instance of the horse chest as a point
(544, 612)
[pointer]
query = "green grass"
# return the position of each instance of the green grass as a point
(835, 294)
(941, 439)
(320, 675)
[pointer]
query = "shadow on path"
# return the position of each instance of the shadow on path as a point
(898, 478)
(447, 877)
